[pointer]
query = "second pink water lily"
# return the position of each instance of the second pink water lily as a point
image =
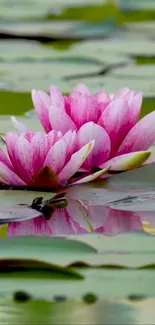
(121, 141)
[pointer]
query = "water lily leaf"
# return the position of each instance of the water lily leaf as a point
(131, 47)
(39, 29)
(28, 268)
(95, 49)
(23, 76)
(146, 71)
(15, 197)
(145, 28)
(135, 5)
(113, 82)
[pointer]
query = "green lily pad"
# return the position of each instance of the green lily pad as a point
(129, 47)
(96, 50)
(25, 76)
(146, 72)
(133, 5)
(144, 28)
(21, 197)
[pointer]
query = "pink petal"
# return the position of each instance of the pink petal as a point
(116, 121)
(101, 150)
(21, 155)
(75, 162)
(39, 145)
(5, 159)
(81, 88)
(135, 105)
(121, 93)
(70, 142)
(83, 109)
(56, 156)
(141, 136)
(102, 96)
(57, 98)
(60, 120)
(103, 99)
(7, 176)
(127, 161)
(52, 137)
(41, 103)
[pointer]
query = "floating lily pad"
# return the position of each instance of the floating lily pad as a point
(97, 50)
(39, 29)
(128, 47)
(10, 9)
(144, 28)
(133, 5)
(146, 72)
(24, 77)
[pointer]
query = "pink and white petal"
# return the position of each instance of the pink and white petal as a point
(44, 97)
(101, 150)
(60, 120)
(56, 157)
(7, 176)
(19, 127)
(83, 109)
(71, 143)
(103, 100)
(11, 139)
(92, 177)
(42, 104)
(39, 147)
(23, 159)
(127, 161)
(135, 105)
(121, 93)
(57, 98)
(81, 88)
(5, 159)
(52, 137)
(103, 97)
(75, 162)
(116, 121)
(141, 136)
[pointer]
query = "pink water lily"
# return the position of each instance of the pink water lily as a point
(42, 160)
(121, 141)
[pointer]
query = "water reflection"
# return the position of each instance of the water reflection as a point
(83, 217)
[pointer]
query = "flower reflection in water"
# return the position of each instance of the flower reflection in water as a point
(82, 217)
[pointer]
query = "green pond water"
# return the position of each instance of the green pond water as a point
(93, 261)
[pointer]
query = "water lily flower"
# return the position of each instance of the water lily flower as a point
(42, 160)
(121, 141)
